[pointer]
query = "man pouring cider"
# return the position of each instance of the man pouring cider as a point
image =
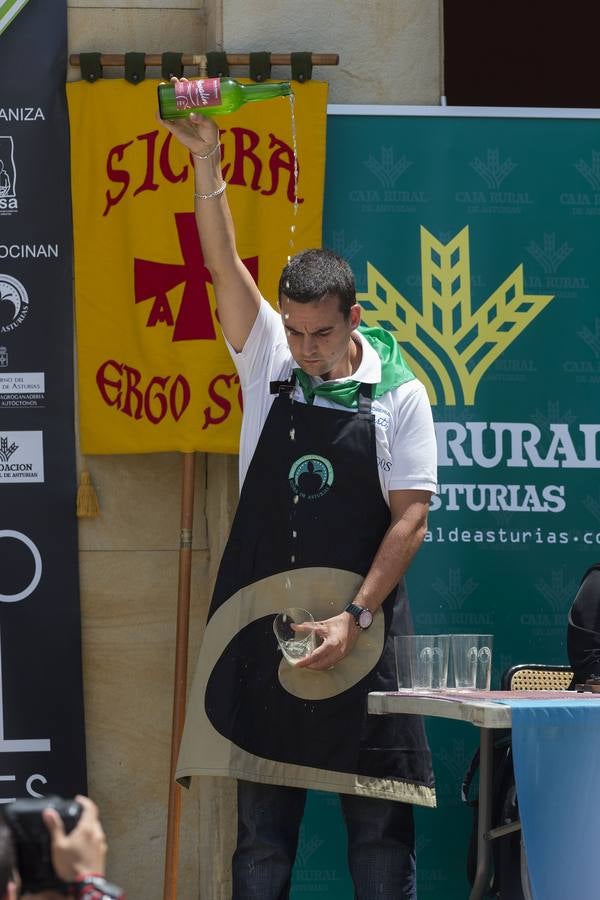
(337, 466)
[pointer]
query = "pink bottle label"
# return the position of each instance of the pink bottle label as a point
(198, 93)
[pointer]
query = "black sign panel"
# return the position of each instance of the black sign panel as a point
(506, 53)
(42, 739)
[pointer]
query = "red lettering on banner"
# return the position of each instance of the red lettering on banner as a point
(165, 164)
(219, 413)
(156, 398)
(148, 183)
(163, 397)
(153, 280)
(103, 381)
(132, 379)
(281, 159)
(118, 175)
(245, 143)
(179, 397)
(160, 312)
(245, 168)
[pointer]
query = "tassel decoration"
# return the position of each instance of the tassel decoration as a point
(87, 499)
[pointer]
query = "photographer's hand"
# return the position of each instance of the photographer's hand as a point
(83, 850)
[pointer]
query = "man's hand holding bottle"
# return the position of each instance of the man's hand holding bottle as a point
(198, 133)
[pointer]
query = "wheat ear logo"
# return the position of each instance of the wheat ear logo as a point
(590, 171)
(5, 451)
(493, 171)
(448, 344)
(387, 169)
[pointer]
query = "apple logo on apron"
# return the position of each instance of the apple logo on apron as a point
(311, 477)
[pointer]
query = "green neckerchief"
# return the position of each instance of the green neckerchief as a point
(394, 372)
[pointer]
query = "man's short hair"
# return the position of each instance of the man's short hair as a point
(7, 857)
(314, 274)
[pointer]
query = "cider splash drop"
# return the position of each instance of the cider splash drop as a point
(292, 239)
(291, 244)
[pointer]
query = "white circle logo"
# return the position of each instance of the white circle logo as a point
(14, 303)
(13, 598)
(311, 476)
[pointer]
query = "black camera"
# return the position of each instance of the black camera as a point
(32, 839)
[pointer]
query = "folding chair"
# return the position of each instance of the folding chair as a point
(537, 677)
(534, 677)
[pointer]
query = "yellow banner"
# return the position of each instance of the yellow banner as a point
(154, 371)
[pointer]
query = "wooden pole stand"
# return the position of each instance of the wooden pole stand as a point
(180, 678)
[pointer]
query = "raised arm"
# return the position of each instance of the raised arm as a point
(238, 298)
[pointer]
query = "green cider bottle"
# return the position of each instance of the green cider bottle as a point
(213, 96)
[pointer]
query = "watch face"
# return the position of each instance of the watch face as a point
(365, 618)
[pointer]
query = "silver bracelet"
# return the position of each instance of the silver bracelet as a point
(210, 152)
(216, 193)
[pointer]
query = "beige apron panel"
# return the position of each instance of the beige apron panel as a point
(324, 592)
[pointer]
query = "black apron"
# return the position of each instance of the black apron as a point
(310, 519)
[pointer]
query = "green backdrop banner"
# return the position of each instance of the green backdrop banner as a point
(475, 241)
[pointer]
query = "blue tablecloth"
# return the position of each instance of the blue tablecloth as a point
(556, 747)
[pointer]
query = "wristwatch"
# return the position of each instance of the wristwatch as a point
(362, 616)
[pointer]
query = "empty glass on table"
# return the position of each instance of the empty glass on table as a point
(472, 661)
(422, 661)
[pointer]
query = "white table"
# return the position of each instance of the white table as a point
(485, 714)
(489, 711)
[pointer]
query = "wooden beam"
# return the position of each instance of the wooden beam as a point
(199, 59)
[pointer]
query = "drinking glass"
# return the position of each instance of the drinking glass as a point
(472, 660)
(294, 644)
(422, 661)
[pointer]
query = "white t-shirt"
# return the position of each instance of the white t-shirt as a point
(405, 436)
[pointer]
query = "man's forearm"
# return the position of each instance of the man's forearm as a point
(400, 543)
(238, 298)
(396, 551)
(393, 558)
(213, 217)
